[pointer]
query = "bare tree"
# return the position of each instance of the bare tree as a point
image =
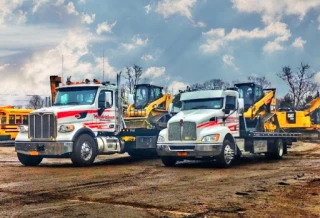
(211, 84)
(18, 106)
(36, 102)
(133, 75)
(262, 81)
(300, 84)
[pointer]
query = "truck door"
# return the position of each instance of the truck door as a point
(106, 103)
(232, 121)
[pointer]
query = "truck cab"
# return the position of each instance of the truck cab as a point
(206, 124)
(70, 127)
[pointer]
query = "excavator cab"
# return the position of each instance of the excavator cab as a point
(145, 94)
(250, 92)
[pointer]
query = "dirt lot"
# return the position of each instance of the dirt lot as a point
(119, 186)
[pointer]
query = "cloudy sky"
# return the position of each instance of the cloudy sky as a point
(177, 42)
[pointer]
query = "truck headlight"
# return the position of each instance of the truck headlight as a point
(160, 138)
(23, 128)
(66, 128)
(211, 138)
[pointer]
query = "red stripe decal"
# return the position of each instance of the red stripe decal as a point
(64, 114)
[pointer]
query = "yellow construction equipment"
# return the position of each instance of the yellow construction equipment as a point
(305, 121)
(258, 111)
(149, 106)
(261, 113)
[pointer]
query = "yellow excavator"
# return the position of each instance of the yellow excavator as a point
(261, 113)
(306, 121)
(149, 107)
(259, 107)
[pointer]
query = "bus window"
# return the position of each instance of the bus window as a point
(25, 120)
(11, 119)
(3, 120)
(18, 119)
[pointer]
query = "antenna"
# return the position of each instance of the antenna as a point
(103, 66)
(62, 68)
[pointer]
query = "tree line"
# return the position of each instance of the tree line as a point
(301, 86)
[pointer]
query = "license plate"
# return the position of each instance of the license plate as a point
(182, 153)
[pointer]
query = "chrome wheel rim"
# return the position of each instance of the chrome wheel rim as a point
(86, 151)
(228, 154)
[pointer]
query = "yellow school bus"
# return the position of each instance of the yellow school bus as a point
(11, 118)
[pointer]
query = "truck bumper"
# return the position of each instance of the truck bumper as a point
(43, 148)
(189, 150)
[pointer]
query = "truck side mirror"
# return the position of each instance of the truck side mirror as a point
(240, 105)
(226, 111)
(130, 99)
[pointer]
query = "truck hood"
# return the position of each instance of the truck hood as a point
(198, 116)
(56, 109)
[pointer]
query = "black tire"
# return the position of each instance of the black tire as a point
(169, 161)
(84, 151)
(28, 160)
(277, 152)
(227, 155)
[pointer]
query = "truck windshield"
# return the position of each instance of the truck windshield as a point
(75, 96)
(206, 103)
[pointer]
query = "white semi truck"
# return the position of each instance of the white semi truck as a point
(211, 125)
(85, 120)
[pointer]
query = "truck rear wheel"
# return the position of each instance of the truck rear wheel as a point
(169, 161)
(28, 160)
(84, 151)
(227, 156)
(277, 152)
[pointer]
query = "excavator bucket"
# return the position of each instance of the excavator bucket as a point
(137, 122)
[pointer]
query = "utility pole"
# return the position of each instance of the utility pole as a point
(62, 69)
(103, 66)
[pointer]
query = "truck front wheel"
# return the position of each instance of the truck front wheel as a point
(169, 161)
(28, 160)
(226, 157)
(84, 151)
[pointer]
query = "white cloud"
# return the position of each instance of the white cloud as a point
(154, 72)
(147, 8)
(86, 18)
(2, 67)
(147, 57)
(38, 3)
(59, 2)
(229, 61)
(299, 43)
(175, 86)
(7, 9)
(105, 27)
(199, 24)
(317, 77)
(21, 37)
(82, 1)
(137, 41)
(71, 8)
(171, 7)
(182, 7)
(217, 38)
(21, 17)
(274, 10)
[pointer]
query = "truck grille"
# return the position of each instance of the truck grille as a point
(189, 131)
(42, 126)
